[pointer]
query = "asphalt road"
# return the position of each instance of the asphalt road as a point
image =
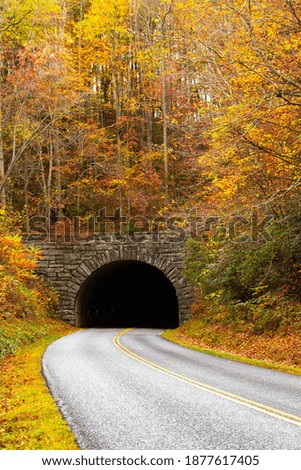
(136, 390)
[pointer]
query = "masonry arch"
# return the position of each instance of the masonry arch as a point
(127, 293)
(75, 268)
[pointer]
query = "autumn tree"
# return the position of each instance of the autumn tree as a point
(254, 133)
(37, 91)
(252, 164)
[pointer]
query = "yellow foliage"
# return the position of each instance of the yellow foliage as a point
(29, 418)
(22, 294)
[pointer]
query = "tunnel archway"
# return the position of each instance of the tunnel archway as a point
(127, 294)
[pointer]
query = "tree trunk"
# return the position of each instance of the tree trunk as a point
(165, 136)
(2, 172)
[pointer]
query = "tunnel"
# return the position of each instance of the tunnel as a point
(127, 294)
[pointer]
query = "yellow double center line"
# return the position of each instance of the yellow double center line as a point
(296, 420)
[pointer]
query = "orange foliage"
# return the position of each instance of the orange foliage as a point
(21, 292)
(16, 259)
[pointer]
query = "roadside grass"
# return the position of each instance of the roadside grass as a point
(278, 350)
(29, 417)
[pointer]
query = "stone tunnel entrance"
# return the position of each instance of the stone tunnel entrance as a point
(127, 294)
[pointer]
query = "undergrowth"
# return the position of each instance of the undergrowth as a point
(29, 417)
(268, 330)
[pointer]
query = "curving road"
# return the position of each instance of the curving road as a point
(135, 390)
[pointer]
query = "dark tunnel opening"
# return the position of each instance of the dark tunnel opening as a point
(127, 294)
